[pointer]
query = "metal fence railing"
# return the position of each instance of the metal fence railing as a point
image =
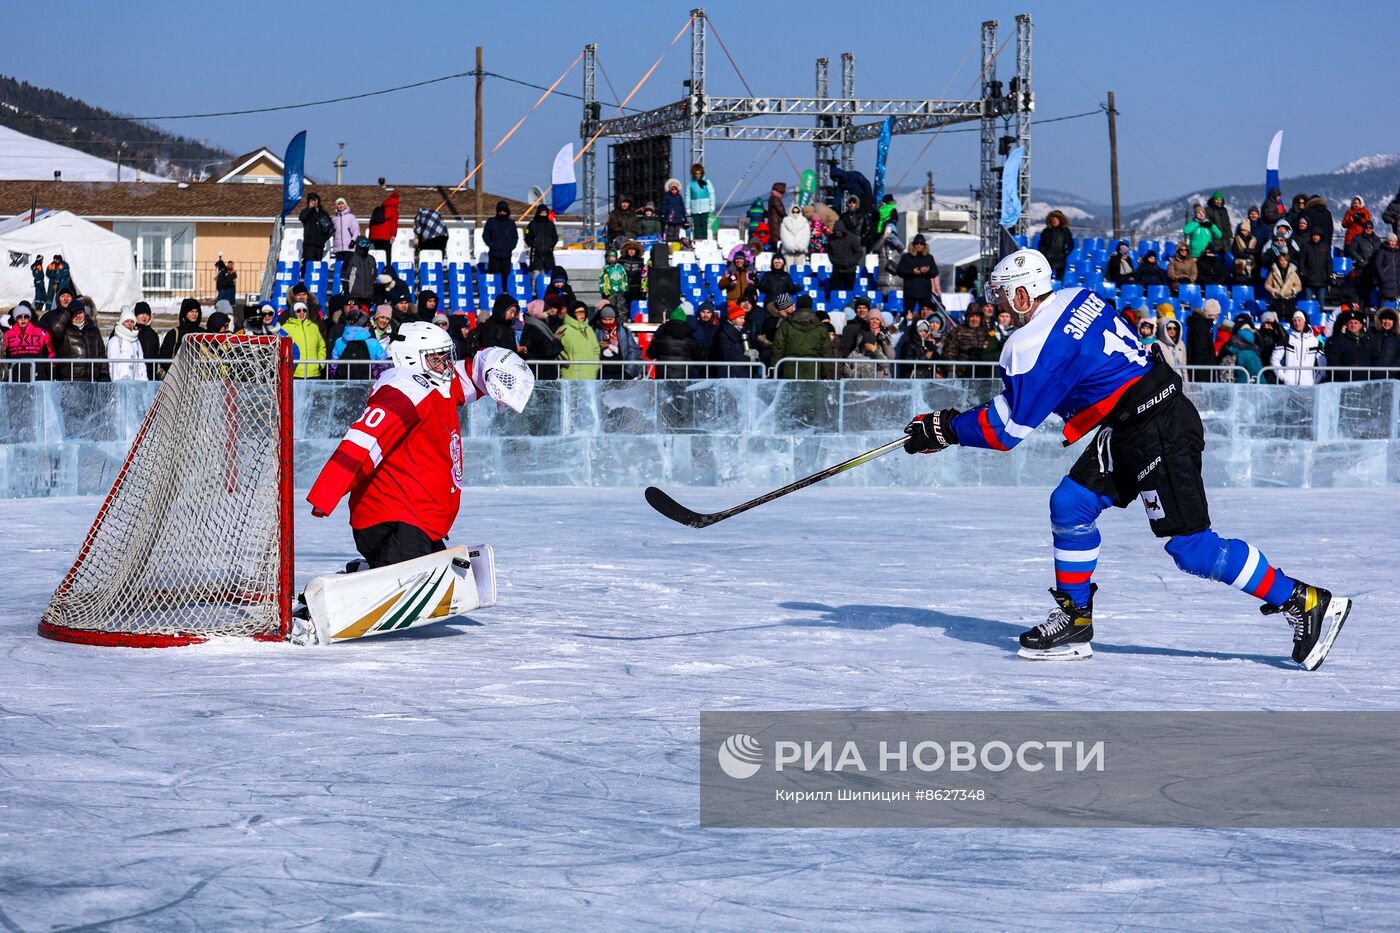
(819, 367)
(92, 370)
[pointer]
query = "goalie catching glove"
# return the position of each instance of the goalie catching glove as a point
(931, 432)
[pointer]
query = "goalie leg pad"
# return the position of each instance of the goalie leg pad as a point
(346, 606)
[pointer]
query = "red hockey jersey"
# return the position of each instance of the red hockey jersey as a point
(402, 460)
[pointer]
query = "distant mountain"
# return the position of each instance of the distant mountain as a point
(1375, 178)
(58, 118)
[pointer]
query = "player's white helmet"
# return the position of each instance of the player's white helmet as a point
(425, 350)
(1025, 268)
(506, 377)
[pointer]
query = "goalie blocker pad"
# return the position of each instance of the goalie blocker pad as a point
(409, 594)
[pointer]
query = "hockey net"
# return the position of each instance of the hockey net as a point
(195, 537)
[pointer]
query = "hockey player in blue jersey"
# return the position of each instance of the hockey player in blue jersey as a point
(1077, 358)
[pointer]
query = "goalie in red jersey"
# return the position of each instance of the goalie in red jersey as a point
(401, 462)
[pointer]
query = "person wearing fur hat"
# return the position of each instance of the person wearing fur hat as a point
(634, 264)
(500, 236)
(1382, 345)
(389, 288)
(873, 343)
(26, 340)
(125, 345)
(739, 278)
(674, 216)
(1056, 242)
(700, 201)
(428, 305)
(1345, 350)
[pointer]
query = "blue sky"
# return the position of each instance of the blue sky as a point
(1199, 100)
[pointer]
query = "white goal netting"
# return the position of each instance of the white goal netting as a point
(194, 538)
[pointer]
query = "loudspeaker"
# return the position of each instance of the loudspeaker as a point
(664, 293)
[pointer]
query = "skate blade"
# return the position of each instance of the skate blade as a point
(1337, 612)
(1075, 651)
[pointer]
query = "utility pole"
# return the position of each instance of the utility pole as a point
(339, 164)
(476, 149)
(1113, 163)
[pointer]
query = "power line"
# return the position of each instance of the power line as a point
(322, 103)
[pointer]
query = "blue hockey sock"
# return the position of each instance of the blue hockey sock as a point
(1073, 513)
(1232, 561)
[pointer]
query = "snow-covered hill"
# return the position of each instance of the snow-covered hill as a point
(26, 158)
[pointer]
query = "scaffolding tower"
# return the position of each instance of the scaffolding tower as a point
(1005, 117)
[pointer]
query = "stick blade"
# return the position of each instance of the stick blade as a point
(663, 503)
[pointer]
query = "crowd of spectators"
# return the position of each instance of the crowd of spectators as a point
(765, 319)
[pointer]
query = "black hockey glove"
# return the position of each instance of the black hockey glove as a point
(931, 433)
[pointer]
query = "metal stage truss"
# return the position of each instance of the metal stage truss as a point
(1004, 112)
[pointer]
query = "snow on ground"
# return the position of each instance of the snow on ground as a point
(536, 765)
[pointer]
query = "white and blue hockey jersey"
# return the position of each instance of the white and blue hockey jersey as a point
(1075, 358)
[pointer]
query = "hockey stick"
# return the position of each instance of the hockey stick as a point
(676, 512)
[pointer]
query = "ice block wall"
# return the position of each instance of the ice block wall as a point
(59, 439)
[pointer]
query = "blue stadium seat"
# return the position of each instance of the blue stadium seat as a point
(1312, 308)
(1021, 241)
(1146, 246)
(1219, 292)
(1156, 294)
(1035, 241)
(1341, 265)
(1071, 278)
(1107, 291)
(459, 288)
(1242, 293)
(405, 271)
(1189, 294)
(1132, 295)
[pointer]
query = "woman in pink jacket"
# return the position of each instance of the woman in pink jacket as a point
(26, 340)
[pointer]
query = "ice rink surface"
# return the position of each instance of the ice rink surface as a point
(536, 766)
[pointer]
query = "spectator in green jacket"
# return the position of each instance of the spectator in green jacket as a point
(803, 335)
(580, 344)
(1200, 232)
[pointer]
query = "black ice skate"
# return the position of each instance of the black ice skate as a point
(1316, 616)
(1066, 634)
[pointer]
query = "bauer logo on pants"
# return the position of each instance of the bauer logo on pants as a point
(1153, 503)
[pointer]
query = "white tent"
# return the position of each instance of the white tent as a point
(101, 261)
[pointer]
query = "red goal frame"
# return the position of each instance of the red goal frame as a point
(286, 552)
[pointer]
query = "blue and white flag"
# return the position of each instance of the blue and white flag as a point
(563, 187)
(1271, 165)
(294, 173)
(1011, 188)
(882, 153)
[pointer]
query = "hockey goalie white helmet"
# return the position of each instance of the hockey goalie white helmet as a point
(425, 350)
(1025, 268)
(506, 377)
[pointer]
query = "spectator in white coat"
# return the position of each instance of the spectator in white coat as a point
(795, 237)
(125, 345)
(1297, 356)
